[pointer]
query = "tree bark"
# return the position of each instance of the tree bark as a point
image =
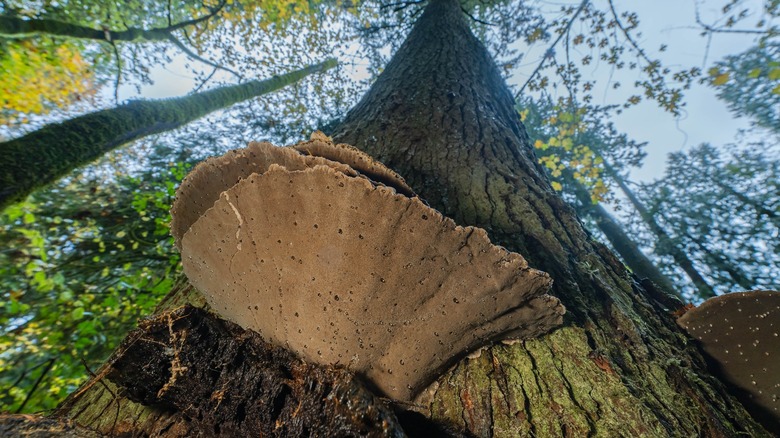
(442, 117)
(43, 156)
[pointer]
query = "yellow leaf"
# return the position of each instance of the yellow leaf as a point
(557, 186)
(721, 79)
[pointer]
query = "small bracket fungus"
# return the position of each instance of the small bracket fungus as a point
(341, 270)
(321, 145)
(740, 331)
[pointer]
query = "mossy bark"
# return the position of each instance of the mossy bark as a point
(441, 116)
(39, 158)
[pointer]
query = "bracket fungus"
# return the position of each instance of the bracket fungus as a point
(740, 332)
(341, 269)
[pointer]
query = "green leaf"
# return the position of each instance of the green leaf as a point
(77, 313)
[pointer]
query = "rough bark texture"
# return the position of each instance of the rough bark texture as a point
(39, 158)
(228, 382)
(442, 117)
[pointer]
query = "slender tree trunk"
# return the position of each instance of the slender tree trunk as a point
(628, 250)
(43, 156)
(665, 244)
(15, 27)
(718, 262)
(441, 116)
(760, 209)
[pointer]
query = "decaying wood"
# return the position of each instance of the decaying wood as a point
(229, 382)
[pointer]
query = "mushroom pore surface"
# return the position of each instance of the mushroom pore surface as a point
(740, 332)
(213, 176)
(340, 270)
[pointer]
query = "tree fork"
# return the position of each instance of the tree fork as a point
(41, 157)
(441, 116)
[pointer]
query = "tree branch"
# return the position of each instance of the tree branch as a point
(36, 385)
(17, 27)
(475, 18)
(629, 38)
(196, 57)
(550, 52)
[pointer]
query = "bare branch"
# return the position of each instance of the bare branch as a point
(400, 5)
(205, 81)
(118, 72)
(550, 50)
(475, 18)
(36, 385)
(195, 56)
(628, 36)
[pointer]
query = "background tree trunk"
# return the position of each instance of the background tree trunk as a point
(628, 250)
(42, 156)
(442, 117)
(665, 244)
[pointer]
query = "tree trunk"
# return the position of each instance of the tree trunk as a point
(41, 157)
(442, 117)
(628, 250)
(665, 244)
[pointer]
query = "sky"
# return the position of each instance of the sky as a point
(705, 119)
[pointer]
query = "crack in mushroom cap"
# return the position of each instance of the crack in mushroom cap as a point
(321, 145)
(208, 179)
(342, 271)
(741, 332)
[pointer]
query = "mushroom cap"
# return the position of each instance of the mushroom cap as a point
(740, 331)
(202, 186)
(340, 270)
(321, 145)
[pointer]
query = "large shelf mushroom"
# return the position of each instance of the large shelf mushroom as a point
(320, 257)
(740, 332)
